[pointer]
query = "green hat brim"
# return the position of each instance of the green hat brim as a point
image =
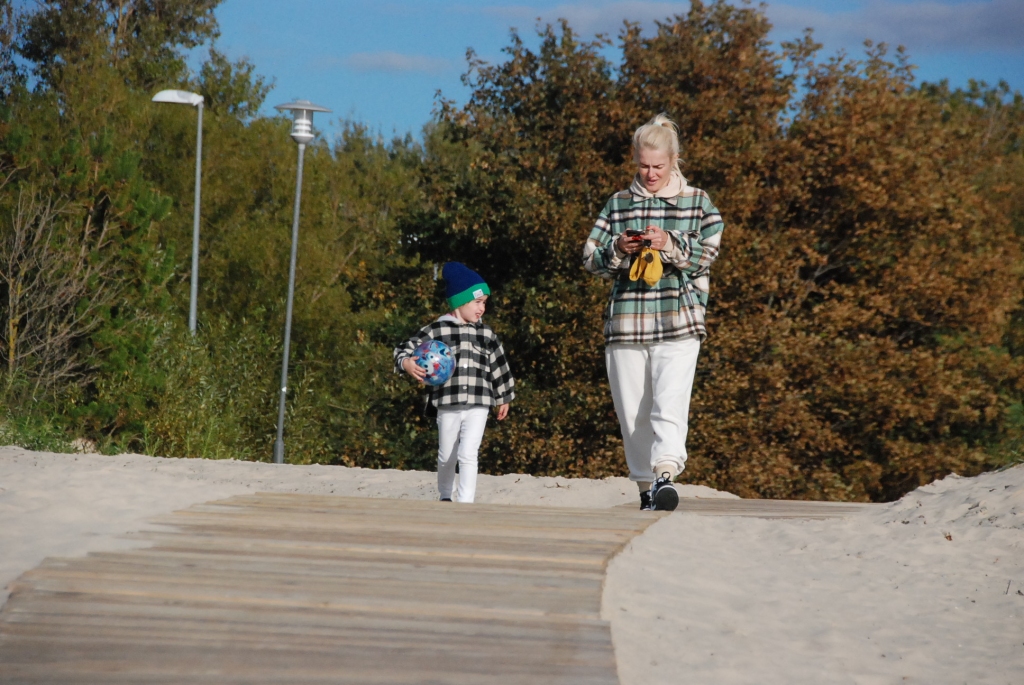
(468, 295)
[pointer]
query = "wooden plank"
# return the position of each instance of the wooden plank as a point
(288, 592)
(773, 509)
(274, 661)
(770, 509)
(84, 618)
(410, 553)
(333, 528)
(98, 611)
(296, 589)
(231, 565)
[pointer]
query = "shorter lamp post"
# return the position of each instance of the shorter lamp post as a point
(302, 133)
(183, 97)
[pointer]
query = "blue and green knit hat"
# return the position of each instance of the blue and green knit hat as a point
(462, 284)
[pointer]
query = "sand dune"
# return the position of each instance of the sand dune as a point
(928, 590)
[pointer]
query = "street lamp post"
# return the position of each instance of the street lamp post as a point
(302, 132)
(183, 97)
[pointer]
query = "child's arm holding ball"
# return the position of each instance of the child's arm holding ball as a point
(414, 369)
(404, 352)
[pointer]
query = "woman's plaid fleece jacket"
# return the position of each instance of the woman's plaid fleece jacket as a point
(674, 307)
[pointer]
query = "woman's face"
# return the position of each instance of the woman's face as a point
(655, 168)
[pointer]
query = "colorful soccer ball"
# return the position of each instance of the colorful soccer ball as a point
(437, 359)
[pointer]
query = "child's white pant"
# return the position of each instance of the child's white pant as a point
(460, 431)
(651, 387)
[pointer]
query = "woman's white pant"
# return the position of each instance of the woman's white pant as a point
(651, 387)
(459, 433)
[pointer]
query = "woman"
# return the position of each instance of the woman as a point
(657, 241)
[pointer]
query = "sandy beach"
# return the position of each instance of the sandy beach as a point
(929, 589)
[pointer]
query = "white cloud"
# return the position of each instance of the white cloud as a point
(925, 26)
(386, 61)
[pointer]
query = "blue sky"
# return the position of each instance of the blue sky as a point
(381, 63)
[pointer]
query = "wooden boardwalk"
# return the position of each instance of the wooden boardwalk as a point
(771, 508)
(296, 589)
(300, 589)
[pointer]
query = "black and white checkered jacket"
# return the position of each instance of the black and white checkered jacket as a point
(482, 376)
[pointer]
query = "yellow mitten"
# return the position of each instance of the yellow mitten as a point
(646, 266)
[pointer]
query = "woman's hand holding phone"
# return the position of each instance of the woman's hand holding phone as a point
(631, 241)
(656, 238)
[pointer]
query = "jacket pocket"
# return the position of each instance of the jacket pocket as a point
(688, 294)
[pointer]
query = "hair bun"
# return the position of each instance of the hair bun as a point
(660, 133)
(663, 119)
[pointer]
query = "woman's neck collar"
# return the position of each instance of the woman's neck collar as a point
(675, 186)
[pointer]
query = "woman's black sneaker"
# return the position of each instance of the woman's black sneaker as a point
(645, 501)
(663, 494)
(446, 499)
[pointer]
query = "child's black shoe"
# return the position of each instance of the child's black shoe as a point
(645, 501)
(663, 494)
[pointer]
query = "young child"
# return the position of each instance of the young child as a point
(482, 379)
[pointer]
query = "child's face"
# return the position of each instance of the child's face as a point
(472, 311)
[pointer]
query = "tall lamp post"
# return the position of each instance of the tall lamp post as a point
(302, 133)
(183, 97)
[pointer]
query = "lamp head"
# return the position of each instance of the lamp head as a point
(302, 121)
(179, 97)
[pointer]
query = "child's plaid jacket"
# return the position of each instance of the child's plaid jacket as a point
(482, 376)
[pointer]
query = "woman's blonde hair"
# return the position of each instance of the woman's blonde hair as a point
(660, 133)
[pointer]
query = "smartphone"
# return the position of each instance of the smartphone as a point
(635, 232)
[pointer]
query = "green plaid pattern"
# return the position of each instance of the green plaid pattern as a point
(673, 308)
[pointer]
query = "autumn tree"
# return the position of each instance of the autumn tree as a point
(58, 279)
(864, 286)
(143, 40)
(88, 139)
